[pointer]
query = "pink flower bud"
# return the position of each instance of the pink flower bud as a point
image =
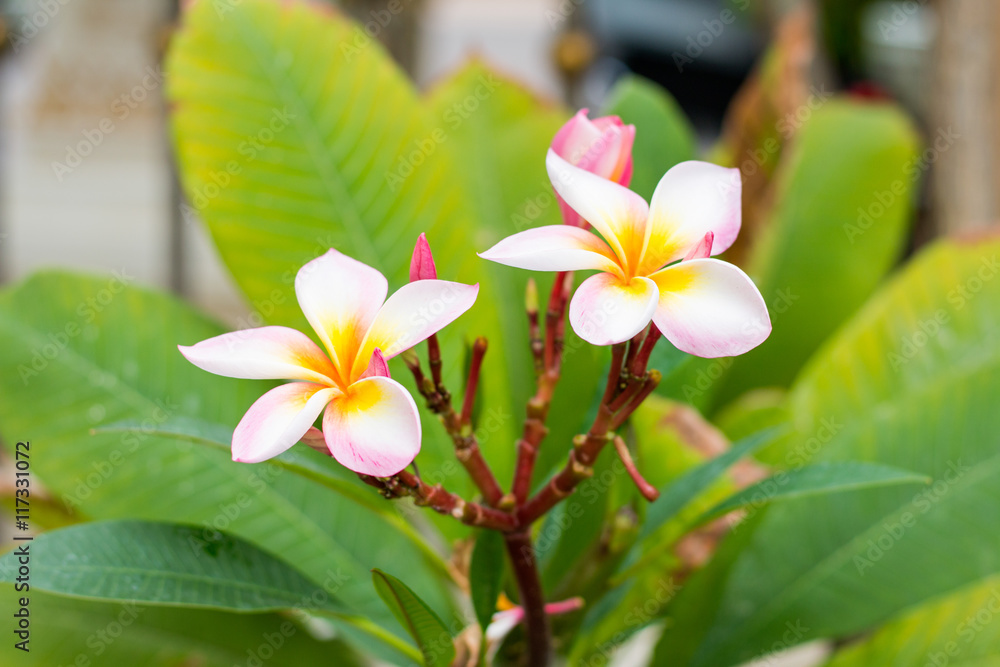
(602, 146)
(422, 264)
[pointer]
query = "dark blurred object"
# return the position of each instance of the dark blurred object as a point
(964, 136)
(766, 113)
(391, 22)
(700, 50)
(840, 27)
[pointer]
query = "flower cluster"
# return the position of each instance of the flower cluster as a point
(654, 264)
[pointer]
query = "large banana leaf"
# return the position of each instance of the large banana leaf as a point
(911, 381)
(80, 352)
(842, 201)
(66, 631)
(958, 629)
(292, 138)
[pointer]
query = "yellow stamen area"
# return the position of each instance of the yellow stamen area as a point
(362, 396)
(678, 278)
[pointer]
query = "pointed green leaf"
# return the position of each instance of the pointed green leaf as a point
(167, 564)
(80, 352)
(67, 631)
(429, 632)
(957, 630)
(815, 480)
(485, 575)
(910, 382)
(299, 460)
(844, 198)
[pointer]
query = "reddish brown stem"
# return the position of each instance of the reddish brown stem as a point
(586, 448)
(641, 359)
(529, 585)
(538, 407)
(405, 483)
(467, 449)
(475, 366)
(534, 333)
(647, 490)
(434, 361)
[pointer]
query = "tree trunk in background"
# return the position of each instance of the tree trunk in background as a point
(966, 182)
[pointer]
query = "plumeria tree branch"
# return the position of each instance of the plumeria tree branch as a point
(624, 392)
(467, 449)
(405, 484)
(549, 354)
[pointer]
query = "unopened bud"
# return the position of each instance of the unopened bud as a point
(422, 263)
(410, 358)
(531, 297)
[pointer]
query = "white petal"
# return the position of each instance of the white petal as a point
(266, 353)
(605, 311)
(710, 308)
(615, 211)
(554, 248)
(374, 428)
(411, 315)
(279, 419)
(340, 297)
(692, 199)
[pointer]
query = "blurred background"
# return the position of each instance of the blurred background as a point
(86, 178)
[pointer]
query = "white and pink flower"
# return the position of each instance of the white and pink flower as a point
(370, 422)
(654, 260)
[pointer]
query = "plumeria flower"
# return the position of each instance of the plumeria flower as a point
(371, 424)
(511, 615)
(602, 146)
(703, 306)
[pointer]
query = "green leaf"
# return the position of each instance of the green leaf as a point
(663, 134)
(679, 493)
(676, 495)
(293, 139)
(815, 480)
(302, 461)
(166, 564)
(958, 629)
(67, 631)
(420, 621)
(844, 198)
(78, 352)
(910, 382)
(486, 574)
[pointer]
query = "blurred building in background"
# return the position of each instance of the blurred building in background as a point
(86, 179)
